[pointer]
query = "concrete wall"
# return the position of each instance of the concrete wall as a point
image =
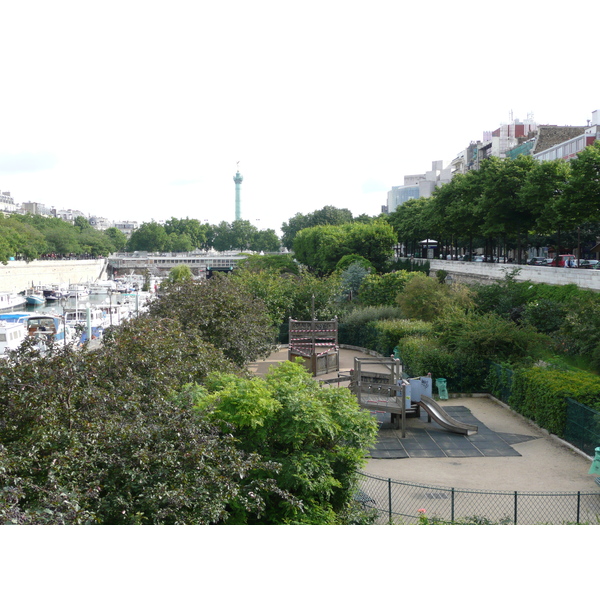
(476, 272)
(19, 275)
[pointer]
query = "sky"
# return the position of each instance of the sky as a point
(144, 111)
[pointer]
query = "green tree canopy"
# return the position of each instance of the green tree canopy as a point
(222, 312)
(318, 436)
(328, 215)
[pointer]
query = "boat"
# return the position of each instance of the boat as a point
(54, 293)
(34, 297)
(115, 313)
(79, 291)
(12, 334)
(82, 319)
(48, 328)
(103, 287)
(10, 300)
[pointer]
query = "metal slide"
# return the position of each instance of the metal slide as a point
(441, 417)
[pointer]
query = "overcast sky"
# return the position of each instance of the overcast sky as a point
(141, 110)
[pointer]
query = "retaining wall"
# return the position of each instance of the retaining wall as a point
(18, 275)
(480, 272)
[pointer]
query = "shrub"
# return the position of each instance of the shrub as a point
(421, 355)
(357, 328)
(489, 336)
(390, 331)
(540, 393)
(317, 435)
(380, 290)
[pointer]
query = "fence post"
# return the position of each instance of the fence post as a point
(515, 517)
(452, 507)
(578, 506)
(390, 501)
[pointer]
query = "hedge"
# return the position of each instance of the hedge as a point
(540, 393)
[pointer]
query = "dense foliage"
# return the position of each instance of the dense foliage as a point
(222, 312)
(97, 437)
(33, 236)
(318, 436)
(320, 248)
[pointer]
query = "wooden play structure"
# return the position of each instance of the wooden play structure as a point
(384, 390)
(316, 342)
(377, 384)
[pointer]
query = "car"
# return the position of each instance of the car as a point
(587, 264)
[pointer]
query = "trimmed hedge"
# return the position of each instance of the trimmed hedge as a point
(540, 393)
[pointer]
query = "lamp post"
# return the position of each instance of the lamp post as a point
(110, 293)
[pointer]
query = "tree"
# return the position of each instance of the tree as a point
(424, 298)
(149, 237)
(328, 215)
(179, 273)
(352, 278)
(222, 312)
(320, 248)
(581, 201)
(265, 241)
(383, 289)
(504, 214)
(111, 439)
(198, 234)
(117, 238)
(318, 436)
(409, 223)
(81, 223)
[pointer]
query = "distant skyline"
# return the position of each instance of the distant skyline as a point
(141, 111)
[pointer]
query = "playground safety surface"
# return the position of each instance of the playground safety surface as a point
(427, 440)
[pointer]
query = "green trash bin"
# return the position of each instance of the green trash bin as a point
(595, 467)
(440, 383)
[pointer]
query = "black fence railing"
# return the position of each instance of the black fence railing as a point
(401, 503)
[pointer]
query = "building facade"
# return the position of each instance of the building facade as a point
(7, 204)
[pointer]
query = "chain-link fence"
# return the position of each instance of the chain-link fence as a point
(397, 502)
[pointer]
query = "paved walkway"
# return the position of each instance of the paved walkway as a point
(507, 453)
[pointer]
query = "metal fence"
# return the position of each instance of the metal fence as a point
(397, 502)
(582, 427)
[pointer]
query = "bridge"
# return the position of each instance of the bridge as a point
(160, 263)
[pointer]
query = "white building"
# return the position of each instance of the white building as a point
(418, 186)
(126, 227)
(7, 204)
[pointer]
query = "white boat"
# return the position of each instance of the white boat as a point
(47, 327)
(81, 318)
(78, 290)
(10, 300)
(12, 334)
(115, 313)
(102, 287)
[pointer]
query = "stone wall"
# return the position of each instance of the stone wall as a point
(18, 275)
(479, 272)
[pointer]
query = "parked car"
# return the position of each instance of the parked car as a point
(587, 264)
(569, 258)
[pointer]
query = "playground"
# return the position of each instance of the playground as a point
(506, 452)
